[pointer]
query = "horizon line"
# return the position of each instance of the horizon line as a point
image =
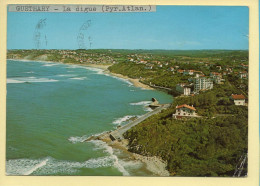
(137, 49)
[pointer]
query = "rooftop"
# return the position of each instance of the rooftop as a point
(186, 106)
(236, 96)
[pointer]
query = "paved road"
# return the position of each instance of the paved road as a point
(118, 134)
(155, 86)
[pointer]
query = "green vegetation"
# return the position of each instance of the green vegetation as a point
(213, 102)
(211, 145)
(156, 76)
(193, 147)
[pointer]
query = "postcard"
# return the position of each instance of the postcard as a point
(128, 90)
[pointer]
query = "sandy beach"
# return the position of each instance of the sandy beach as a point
(154, 164)
(136, 82)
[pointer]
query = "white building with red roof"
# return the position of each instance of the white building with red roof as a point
(243, 75)
(185, 111)
(238, 99)
(188, 72)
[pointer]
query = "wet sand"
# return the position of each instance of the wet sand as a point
(136, 82)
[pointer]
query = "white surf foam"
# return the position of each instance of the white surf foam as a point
(68, 167)
(21, 60)
(51, 166)
(119, 121)
(66, 75)
(9, 80)
(97, 70)
(41, 164)
(30, 80)
(148, 109)
(49, 65)
(78, 78)
(93, 69)
(123, 80)
(146, 103)
(78, 139)
(23, 166)
(109, 150)
(30, 72)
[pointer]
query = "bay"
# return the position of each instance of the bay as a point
(52, 108)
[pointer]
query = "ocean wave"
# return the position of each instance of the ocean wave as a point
(20, 60)
(30, 80)
(97, 70)
(93, 69)
(146, 103)
(78, 78)
(109, 150)
(119, 121)
(148, 109)
(78, 139)
(49, 65)
(51, 166)
(9, 80)
(30, 72)
(66, 75)
(123, 80)
(24, 166)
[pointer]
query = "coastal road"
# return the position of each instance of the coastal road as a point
(118, 134)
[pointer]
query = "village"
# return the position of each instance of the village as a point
(206, 123)
(182, 75)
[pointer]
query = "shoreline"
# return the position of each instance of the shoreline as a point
(153, 164)
(135, 82)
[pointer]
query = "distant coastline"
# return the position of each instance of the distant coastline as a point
(154, 164)
(196, 146)
(135, 82)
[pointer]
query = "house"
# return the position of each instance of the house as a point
(219, 67)
(185, 111)
(238, 99)
(244, 66)
(202, 83)
(229, 69)
(179, 71)
(198, 72)
(188, 72)
(216, 77)
(243, 75)
(183, 88)
(150, 67)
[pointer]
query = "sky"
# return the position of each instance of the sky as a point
(169, 28)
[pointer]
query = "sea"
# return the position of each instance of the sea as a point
(53, 107)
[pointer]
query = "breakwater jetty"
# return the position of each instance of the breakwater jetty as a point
(118, 133)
